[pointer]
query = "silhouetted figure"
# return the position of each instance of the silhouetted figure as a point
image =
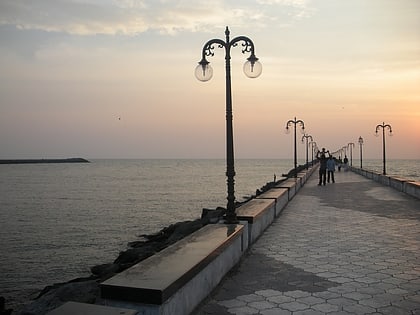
(321, 156)
(346, 162)
(340, 162)
(330, 169)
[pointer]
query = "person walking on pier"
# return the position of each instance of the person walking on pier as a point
(346, 163)
(330, 169)
(321, 156)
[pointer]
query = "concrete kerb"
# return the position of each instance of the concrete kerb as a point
(407, 186)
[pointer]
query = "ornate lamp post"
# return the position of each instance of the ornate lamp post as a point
(305, 136)
(361, 156)
(302, 124)
(313, 147)
(204, 72)
(351, 146)
(383, 126)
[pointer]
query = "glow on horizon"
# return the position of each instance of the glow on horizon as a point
(72, 69)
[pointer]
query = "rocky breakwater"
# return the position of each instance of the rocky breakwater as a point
(38, 161)
(87, 290)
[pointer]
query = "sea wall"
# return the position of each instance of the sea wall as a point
(410, 187)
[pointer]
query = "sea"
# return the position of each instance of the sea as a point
(59, 220)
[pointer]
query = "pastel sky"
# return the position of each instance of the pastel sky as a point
(115, 79)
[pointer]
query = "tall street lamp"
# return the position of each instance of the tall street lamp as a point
(306, 136)
(302, 124)
(351, 146)
(204, 72)
(383, 126)
(313, 147)
(361, 155)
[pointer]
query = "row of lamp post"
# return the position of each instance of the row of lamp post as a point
(253, 68)
(298, 122)
(295, 122)
(307, 137)
(350, 145)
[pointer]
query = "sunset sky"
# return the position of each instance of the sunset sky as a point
(115, 79)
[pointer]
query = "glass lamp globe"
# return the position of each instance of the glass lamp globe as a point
(203, 72)
(252, 67)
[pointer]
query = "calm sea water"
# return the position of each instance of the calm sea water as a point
(58, 220)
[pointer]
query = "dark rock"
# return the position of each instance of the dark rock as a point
(184, 229)
(105, 269)
(84, 292)
(212, 215)
(134, 255)
(137, 243)
(292, 172)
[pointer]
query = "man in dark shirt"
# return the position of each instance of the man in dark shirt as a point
(321, 156)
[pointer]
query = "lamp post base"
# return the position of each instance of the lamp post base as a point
(231, 219)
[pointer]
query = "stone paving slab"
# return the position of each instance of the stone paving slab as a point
(352, 247)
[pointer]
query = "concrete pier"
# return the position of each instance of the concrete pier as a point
(352, 247)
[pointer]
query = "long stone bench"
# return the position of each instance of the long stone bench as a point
(280, 197)
(177, 279)
(75, 308)
(259, 214)
(291, 185)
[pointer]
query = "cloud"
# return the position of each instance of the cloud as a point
(131, 17)
(298, 9)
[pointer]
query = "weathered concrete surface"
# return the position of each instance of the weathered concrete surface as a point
(352, 247)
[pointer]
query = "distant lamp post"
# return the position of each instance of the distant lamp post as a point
(204, 72)
(383, 126)
(361, 155)
(351, 146)
(307, 137)
(302, 124)
(344, 150)
(313, 148)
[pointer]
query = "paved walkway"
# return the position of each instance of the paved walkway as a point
(352, 247)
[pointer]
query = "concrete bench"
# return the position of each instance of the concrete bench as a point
(177, 279)
(259, 213)
(290, 184)
(280, 197)
(75, 308)
(303, 177)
